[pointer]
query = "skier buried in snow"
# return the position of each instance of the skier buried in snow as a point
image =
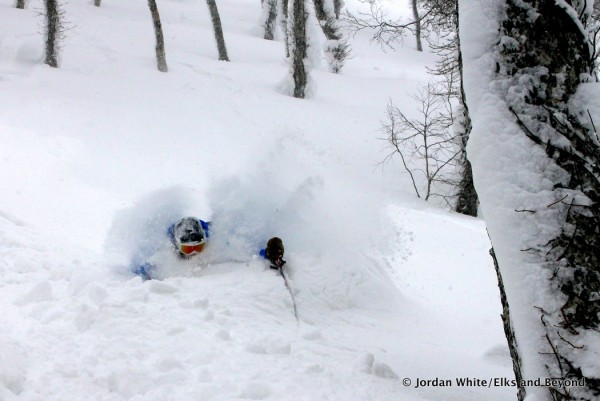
(189, 237)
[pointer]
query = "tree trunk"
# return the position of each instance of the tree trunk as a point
(21, 4)
(161, 59)
(97, 3)
(509, 332)
(216, 21)
(53, 28)
(327, 21)
(283, 10)
(270, 19)
(299, 72)
(337, 8)
(555, 44)
(417, 17)
(544, 160)
(467, 196)
(336, 49)
(468, 201)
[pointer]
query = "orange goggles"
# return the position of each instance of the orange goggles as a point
(190, 249)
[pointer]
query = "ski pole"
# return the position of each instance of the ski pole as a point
(287, 285)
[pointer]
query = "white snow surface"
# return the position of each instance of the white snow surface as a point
(99, 156)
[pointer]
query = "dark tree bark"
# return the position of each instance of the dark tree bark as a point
(300, 45)
(216, 21)
(271, 18)
(327, 22)
(417, 18)
(53, 32)
(21, 4)
(509, 332)
(161, 59)
(97, 3)
(467, 200)
(337, 8)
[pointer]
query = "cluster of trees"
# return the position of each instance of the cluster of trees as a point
(54, 31)
(292, 19)
(433, 147)
(545, 50)
(554, 41)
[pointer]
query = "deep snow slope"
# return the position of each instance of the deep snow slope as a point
(98, 157)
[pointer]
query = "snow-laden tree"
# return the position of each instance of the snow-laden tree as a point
(161, 58)
(269, 18)
(336, 48)
(536, 166)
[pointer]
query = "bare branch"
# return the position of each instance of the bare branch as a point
(426, 145)
(386, 31)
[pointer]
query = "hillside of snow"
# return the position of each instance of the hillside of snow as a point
(99, 156)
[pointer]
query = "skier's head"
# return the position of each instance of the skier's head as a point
(189, 236)
(274, 249)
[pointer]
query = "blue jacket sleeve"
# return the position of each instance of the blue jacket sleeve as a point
(144, 271)
(205, 226)
(171, 233)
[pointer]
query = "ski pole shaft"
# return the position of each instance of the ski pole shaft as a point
(287, 285)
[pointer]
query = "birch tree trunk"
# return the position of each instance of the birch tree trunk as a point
(299, 46)
(283, 10)
(216, 21)
(161, 59)
(417, 17)
(467, 200)
(270, 18)
(53, 31)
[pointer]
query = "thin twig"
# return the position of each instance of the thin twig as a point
(568, 342)
(560, 200)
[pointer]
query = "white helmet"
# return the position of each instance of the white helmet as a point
(189, 236)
